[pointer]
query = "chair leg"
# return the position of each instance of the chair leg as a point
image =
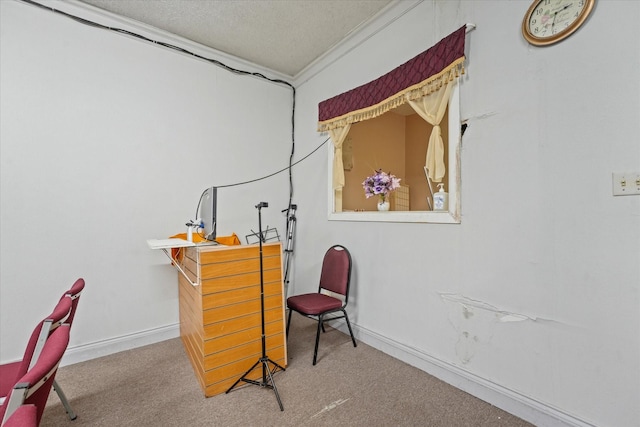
(288, 323)
(349, 326)
(72, 415)
(315, 351)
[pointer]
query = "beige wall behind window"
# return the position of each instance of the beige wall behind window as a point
(396, 143)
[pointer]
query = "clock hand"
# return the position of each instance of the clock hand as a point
(553, 22)
(564, 7)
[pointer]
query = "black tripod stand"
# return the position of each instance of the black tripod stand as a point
(264, 360)
(288, 250)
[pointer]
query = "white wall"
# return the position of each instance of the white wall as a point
(97, 130)
(532, 301)
(107, 141)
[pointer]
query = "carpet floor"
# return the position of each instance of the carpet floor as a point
(156, 386)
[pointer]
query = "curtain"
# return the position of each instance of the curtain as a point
(420, 76)
(424, 81)
(338, 135)
(432, 108)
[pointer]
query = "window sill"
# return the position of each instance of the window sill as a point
(397, 216)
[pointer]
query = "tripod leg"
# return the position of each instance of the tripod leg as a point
(276, 365)
(273, 384)
(242, 378)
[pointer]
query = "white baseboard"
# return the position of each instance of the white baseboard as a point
(526, 408)
(81, 353)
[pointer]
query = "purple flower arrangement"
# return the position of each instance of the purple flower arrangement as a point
(380, 184)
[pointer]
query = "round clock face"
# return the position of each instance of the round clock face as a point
(549, 21)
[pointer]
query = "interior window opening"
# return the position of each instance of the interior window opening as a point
(396, 143)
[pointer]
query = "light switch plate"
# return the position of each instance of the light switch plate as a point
(626, 184)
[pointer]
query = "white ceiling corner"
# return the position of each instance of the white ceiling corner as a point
(282, 35)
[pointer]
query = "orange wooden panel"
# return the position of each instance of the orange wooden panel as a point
(237, 368)
(189, 263)
(252, 348)
(220, 319)
(190, 267)
(194, 353)
(190, 321)
(190, 314)
(222, 284)
(190, 304)
(190, 294)
(196, 362)
(222, 386)
(236, 296)
(228, 341)
(244, 322)
(242, 252)
(237, 310)
(189, 329)
(231, 268)
(191, 317)
(270, 249)
(195, 292)
(191, 253)
(217, 254)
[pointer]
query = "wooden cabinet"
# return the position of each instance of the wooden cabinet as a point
(220, 318)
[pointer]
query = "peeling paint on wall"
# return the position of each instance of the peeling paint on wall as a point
(468, 304)
(475, 322)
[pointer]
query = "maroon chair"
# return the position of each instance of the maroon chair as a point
(74, 295)
(34, 386)
(332, 295)
(12, 372)
(24, 416)
(63, 313)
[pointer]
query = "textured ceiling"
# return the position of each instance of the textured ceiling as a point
(282, 35)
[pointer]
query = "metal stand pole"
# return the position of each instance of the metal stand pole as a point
(288, 249)
(264, 360)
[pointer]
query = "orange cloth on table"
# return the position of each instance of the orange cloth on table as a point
(232, 240)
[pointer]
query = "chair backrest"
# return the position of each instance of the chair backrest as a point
(74, 294)
(335, 275)
(24, 416)
(42, 332)
(34, 386)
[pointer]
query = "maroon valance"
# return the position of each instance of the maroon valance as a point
(415, 78)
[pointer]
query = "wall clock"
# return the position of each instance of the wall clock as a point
(550, 21)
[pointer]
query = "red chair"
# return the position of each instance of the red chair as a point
(34, 386)
(74, 295)
(24, 416)
(12, 372)
(335, 278)
(63, 313)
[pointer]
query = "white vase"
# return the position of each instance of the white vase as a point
(383, 206)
